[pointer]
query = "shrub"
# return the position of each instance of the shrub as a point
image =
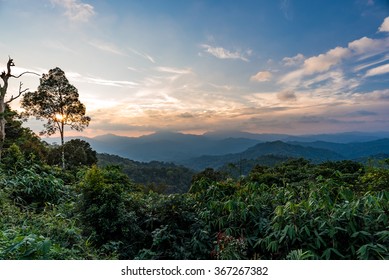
(101, 206)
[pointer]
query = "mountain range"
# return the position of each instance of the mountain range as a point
(216, 149)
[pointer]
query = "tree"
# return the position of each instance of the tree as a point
(5, 75)
(77, 153)
(29, 143)
(56, 100)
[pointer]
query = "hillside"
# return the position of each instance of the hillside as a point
(351, 150)
(275, 148)
(158, 176)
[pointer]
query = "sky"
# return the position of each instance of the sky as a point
(276, 66)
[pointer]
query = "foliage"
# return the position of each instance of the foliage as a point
(77, 153)
(173, 229)
(28, 142)
(56, 100)
(51, 233)
(155, 176)
(301, 214)
(294, 211)
(30, 186)
(101, 206)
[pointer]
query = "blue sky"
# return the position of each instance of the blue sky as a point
(282, 66)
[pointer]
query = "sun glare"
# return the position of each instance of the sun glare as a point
(59, 117)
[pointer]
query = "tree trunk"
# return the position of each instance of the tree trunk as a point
(2, 124)
(62, 145)
(3, 91)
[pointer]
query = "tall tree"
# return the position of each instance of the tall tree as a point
(5, 76)
(56, 100)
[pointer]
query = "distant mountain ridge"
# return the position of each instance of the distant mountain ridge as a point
(275, 148)
(351, 150)
(220, 147)
(343, 137)
(164, 146)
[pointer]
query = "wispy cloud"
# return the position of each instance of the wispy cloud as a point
(371, 63)
(293, 61)
(172, 74)
(76, 10)
(373, 96)
(286, 9)
(58, 45)
(115, 83)
(174, 70)
(223, 53)
(379, 70)
(99, 81)
(142, 54)
(107, 47)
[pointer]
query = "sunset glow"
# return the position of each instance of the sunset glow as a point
(194, 66)
(59, 117)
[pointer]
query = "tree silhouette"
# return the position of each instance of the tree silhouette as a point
(5, 76)
(56, 100)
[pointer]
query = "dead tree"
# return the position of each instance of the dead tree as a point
(5, 76)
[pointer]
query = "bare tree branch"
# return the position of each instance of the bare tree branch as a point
(27, 72)
(9, 64)
(19, 94)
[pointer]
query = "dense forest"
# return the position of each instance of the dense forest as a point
(293, 209)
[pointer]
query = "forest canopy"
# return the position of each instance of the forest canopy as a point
(294, 210)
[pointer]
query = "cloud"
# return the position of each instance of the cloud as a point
(368, 46)
(222, 53)
(173, 70)
(262, 76)
(384, 26)
(359, 50)
(369, 64)
(292, 61)
(76, 10)
(144, 55)
(286, 8)
(316, 64)
(74, 76)
(58, 45)
(107, 47)
(287, 95)
(186, 115)
(292, 78)
(376, 95)
(362, 113)
(379, 70)
(323, 62)
(115, 83)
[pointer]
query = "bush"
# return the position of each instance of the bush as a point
(36, 189)
(101, 205)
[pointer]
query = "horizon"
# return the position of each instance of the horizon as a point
(224, 134)
(262, 67)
